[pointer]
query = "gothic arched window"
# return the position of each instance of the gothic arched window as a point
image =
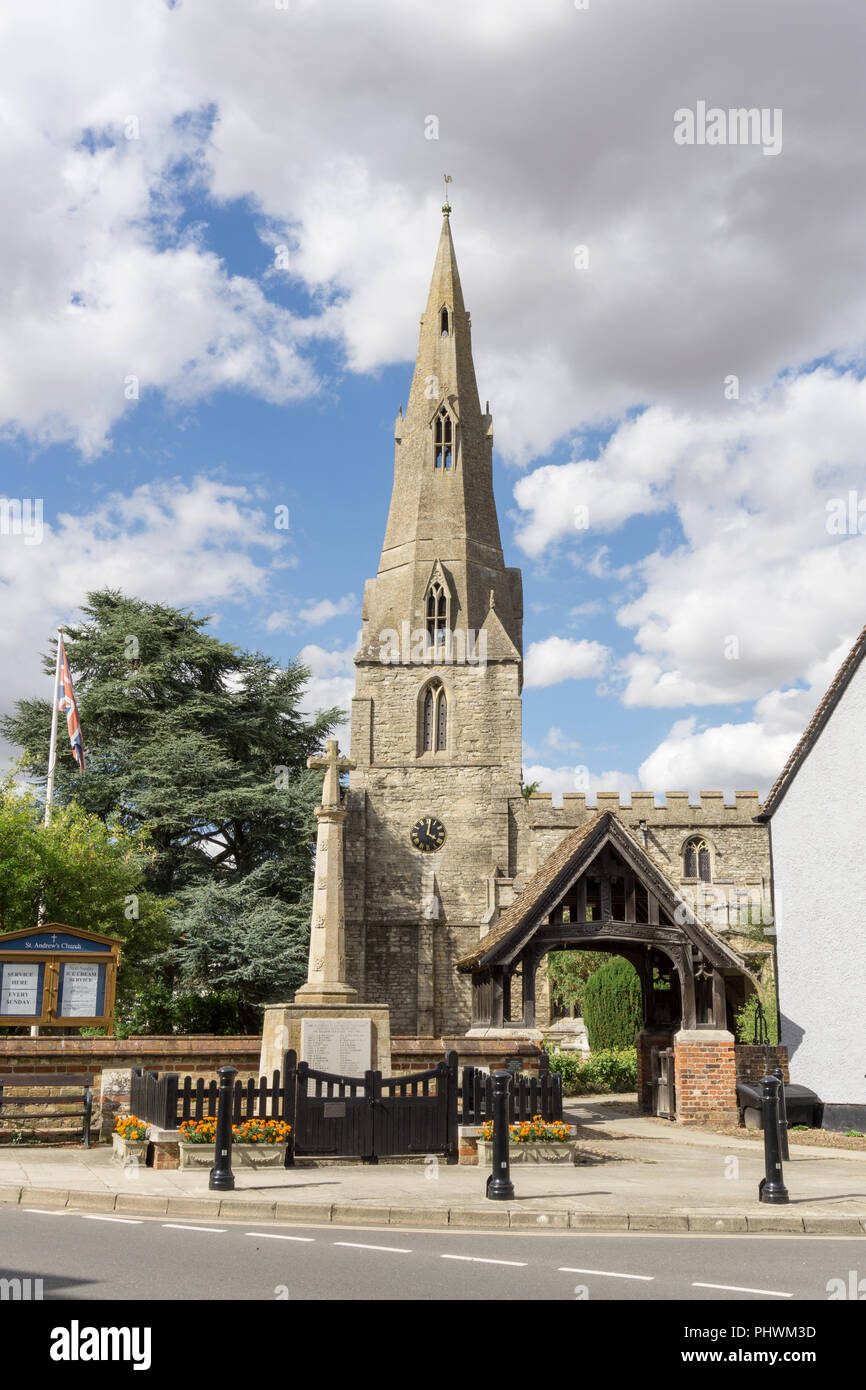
(434, 719)
(696, 860)
(443, 437)
(443, 323)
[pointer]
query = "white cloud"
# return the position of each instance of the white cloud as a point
(562, 658)
(556, 739)
(727, 757)
(742, 756)
(558, 780)
(313, 614)
(325, 609)
(678, 237)
(762, 586)
(332, 682)
(169, 542)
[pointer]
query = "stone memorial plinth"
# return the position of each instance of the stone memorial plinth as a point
(288, 1026)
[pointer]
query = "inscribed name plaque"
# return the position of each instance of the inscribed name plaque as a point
(340, 1045)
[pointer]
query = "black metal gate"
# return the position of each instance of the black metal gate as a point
(371, 1117)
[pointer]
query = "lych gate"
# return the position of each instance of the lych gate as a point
(600, 891)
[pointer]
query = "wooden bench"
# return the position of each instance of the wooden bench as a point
(66, 1106)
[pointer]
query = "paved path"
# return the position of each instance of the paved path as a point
(615, 1116)
(84, 1256)
(682, 1186)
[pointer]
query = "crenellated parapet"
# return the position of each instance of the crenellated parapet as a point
(675, 809)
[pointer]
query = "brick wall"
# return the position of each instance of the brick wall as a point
(195, 1055)
(201, 1054)
(752, 1061)
(705, 1078)
(417, 1054)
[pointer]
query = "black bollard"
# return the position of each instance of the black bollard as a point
(500, 1188)
(771, 1188)
(783, 1116)
(222, 1179)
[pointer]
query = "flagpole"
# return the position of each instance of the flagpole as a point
(49, 786)
(52, 751)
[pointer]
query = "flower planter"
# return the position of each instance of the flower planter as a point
(243, 1155)
(127, 1150)
(530, 1153)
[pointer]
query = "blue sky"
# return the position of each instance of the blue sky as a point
(239, 209)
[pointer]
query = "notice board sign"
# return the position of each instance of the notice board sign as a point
(55, 975)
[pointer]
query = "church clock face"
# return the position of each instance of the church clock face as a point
(428, 834)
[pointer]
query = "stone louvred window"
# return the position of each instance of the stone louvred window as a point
(696, 860)
(437, 613)
(434, 719)
(441, 722)
(443, 430)
(443, 323)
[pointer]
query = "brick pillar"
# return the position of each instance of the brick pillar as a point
(646, 1040)
(706, 1079)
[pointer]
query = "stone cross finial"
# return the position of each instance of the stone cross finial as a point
(332, 765)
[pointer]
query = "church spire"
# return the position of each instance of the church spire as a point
(442, 505)
(444, 366)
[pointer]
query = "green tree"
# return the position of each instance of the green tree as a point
(83, 873)
(569, 971)
(747, 1013)
(612, 1005)
(201, 745)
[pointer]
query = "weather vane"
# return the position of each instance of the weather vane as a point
(447, 178)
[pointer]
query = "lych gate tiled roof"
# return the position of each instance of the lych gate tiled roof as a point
(803, 748)
(543, 879)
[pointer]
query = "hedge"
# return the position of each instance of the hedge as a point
(612, 1006)
(612, 1069)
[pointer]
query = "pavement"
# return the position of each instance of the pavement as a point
(635, 1174)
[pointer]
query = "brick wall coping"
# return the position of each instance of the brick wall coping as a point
(155, 1053)
(466, 1047)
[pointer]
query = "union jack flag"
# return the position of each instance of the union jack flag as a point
(66, 705)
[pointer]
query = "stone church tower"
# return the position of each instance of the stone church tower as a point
(436, 718)
(442, 851)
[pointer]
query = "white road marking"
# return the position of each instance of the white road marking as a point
(213, 1230)
(44, 1211)
(479, 1260)
(268, 1235)
(737, 1288)
(356, 1245)
(606, 1273)
(123, 1220)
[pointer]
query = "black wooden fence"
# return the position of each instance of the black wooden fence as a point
(342, 1116)
(528, 1096)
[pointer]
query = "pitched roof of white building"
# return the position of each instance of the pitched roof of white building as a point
(812, 732)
